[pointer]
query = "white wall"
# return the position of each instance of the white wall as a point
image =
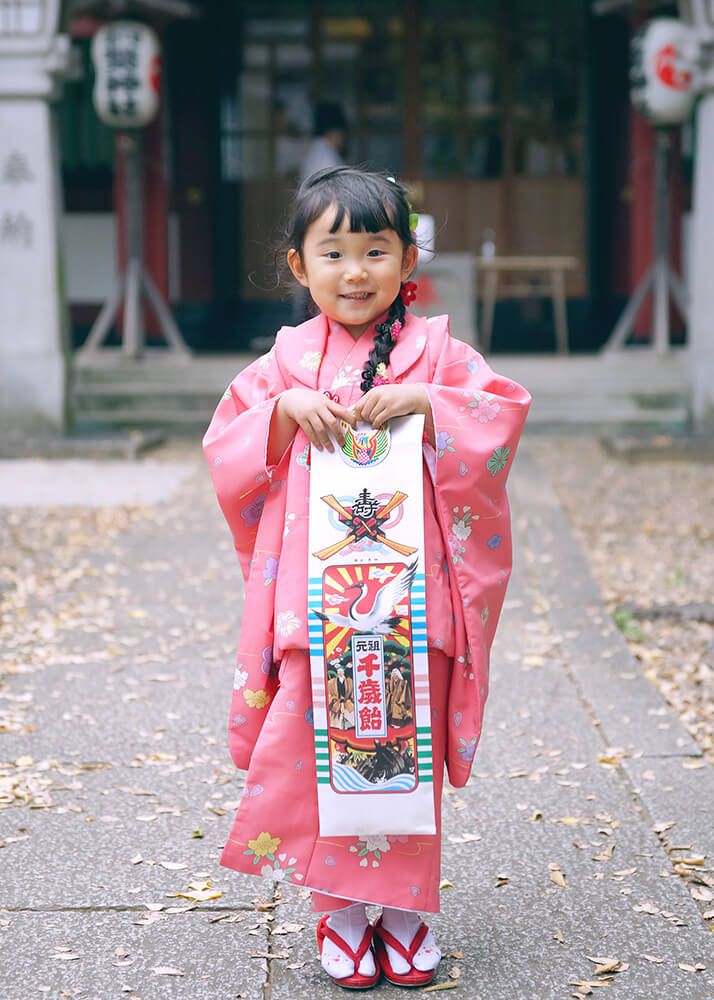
(89, 244)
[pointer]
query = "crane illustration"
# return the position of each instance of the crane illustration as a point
(379, 619)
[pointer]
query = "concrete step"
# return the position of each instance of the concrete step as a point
(621, 372)
(155, 402)
(180, 381)
(202, 370)
(628, 372)
(606, 408)
(172, 421)
(133, 385)
(631, 391)
(124, 385)
(542, 419)
(131, 404)
(552, 424)
(602, 413)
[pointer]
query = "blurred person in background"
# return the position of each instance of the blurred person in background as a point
(325, 150)
(329, 138)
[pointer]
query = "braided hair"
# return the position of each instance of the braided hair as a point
(384, 341)
(372, 201)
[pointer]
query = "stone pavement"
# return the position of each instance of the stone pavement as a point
(564, 854)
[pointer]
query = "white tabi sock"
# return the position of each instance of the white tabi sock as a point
(350, 923)
(403, 925)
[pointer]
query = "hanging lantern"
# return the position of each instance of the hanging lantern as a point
(663, 70)
(127, 62)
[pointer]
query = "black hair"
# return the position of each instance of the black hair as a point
(372, 201)
(328, 117)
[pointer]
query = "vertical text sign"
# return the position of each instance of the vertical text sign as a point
(370, 701)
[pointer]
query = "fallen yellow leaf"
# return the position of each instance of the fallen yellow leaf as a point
(200, 892)
(556, 876)
(604, 965)
(701, 893)
(647, 907)
(604, 855)
(200, 896)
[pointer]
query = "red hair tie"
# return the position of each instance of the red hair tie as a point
(408, 292)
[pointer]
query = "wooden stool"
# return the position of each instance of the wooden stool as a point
(548, 273)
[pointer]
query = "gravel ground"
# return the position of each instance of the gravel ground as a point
(648, 529)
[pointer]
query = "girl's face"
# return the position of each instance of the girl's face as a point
(353, 277)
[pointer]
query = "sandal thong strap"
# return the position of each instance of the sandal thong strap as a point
(414, 947)
(363, 948)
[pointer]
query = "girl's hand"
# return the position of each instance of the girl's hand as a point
(385, 401)
(317, 415)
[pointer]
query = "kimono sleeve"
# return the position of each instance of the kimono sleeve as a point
(251, 496)
(478, 414)
(235, 446)
(478, 417)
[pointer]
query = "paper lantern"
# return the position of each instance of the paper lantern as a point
(127, 61)
(663, 71)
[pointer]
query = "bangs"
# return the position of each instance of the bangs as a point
(370, 202)
(363, 217)
(366, 209)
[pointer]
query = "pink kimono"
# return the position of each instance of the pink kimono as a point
(478, 419)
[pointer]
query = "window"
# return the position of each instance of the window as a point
(348, 53)
(21, 18)
(501, 88)
(86, 143)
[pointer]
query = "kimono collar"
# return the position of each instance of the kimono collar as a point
(303, 347)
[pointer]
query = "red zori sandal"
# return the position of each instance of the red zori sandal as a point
(356, 981)
(415, 977)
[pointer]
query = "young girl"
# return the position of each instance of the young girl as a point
(362, 358)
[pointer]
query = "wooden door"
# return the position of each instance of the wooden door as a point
(500, 126)
(476, 104)
(346, 52)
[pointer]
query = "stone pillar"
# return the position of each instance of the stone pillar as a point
(699, 14)
(34, 335)
(701, 328)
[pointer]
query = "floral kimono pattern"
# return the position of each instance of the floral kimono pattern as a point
(478, 418)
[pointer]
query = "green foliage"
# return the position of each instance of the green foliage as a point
(628, 625)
